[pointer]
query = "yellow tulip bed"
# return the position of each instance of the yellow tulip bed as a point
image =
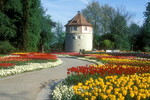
(124, 87)
(127, 61)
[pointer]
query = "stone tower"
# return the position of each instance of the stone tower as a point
(79, 34)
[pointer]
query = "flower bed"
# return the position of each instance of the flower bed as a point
(28, 67)
(124, 87)
(16, 63)
(121, 78)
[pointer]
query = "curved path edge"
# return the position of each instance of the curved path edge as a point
(45, 93)
(30, 85)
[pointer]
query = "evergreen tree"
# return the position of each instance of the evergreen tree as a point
(8, 18)
(25, 24)
(146, 27)
(35, 15)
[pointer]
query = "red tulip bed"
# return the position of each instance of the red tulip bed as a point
(18, 62)
(121, 77)
(17, 58)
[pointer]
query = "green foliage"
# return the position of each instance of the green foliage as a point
(92, 14)
(108, 20)
(146, 27)
(22, 23)
(147, 49)
(31, 24)
(134, 29)
(6, 47)
(6, 26)
(120, 34)
(59, 37)
(46, 33)
(108, 44)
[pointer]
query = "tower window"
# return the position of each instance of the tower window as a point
(85, 28)
(74, 28)
(74, 37)
(79, 37)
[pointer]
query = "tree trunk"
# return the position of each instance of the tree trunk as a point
(25, 20)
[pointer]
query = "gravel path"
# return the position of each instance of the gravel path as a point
(29, 86)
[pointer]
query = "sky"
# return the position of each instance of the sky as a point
(64, 10)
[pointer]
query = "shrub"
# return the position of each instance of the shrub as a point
(6, 47)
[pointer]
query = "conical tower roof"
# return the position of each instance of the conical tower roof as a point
(78, 20)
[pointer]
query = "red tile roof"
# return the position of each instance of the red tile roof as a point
(78, 20)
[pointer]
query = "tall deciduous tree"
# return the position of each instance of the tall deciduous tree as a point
(93, 15)
(119, 33)
(100, 16)
(46, 33)
(59, 37)
(103, 18)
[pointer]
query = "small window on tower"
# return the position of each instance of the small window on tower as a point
(85, 28)
(79, 37)
(74, 28)
(74, 37)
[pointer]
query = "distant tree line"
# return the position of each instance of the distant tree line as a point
(113, 28)
(25, 27)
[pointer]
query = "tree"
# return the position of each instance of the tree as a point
(25, 25)
(59, 39)
(108, 44)
(119, 33)
(100, 17)
(7, 24)
(146, 27)
(34, 31)
(21, 25)
(46, 35)
(103, 18)
(92, 14)
(134, 31)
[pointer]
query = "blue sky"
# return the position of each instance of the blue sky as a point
(64, 10)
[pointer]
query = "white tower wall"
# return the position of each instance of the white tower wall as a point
(79, 41)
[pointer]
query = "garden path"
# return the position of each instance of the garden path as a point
(27, 86)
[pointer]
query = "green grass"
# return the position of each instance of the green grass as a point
(2, 55)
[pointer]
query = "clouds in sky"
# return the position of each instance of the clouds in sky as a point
(64, 10)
